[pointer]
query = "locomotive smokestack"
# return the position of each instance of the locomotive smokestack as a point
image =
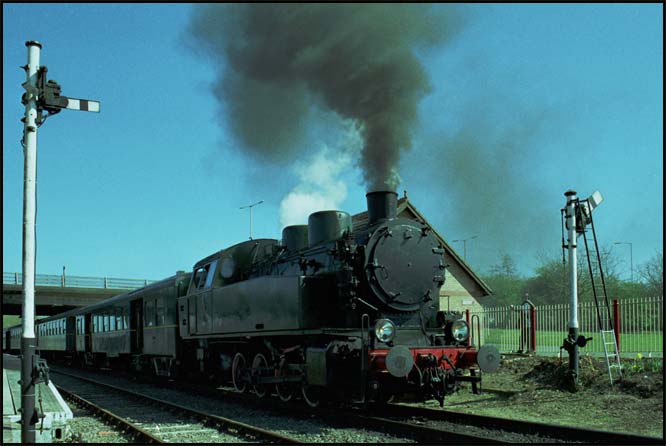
(382, 205)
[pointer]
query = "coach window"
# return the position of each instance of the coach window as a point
(169, 317)
(125, 324)
(112, 320)
(159, 311)
(150, 313)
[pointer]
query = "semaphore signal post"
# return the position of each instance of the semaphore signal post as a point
(41, 99)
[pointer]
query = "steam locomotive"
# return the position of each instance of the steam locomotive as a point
(330, 313)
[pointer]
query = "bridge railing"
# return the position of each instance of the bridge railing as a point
(76, 281)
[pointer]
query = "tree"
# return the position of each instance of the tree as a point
(652, 275)
(504, 280)
(505, 268)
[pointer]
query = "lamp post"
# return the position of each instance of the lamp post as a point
(631, 257)
(250, 206)
(464, 242)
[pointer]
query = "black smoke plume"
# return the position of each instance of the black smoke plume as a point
(278, 62)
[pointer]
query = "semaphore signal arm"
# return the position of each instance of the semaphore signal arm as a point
(50, 100)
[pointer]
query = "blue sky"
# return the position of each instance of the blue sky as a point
(552, 97)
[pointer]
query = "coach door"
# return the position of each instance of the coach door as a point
(88, 333)
(70, 334)
(136, 326)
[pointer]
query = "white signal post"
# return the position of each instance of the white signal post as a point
(573, 281)
(40, 97)
(28, 343)
(578, 214)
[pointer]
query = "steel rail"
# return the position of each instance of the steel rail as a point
(207, 418)
(573, 434)
(422, 434)
(140, 434)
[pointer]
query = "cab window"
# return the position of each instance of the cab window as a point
(203, 276)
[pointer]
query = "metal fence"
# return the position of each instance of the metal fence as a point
(641, 327)
(76, 281)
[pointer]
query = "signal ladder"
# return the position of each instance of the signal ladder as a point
(604, 318)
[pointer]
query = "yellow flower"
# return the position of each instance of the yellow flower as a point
(639, 356)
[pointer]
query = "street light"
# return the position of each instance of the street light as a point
(251, 206)
(631, 257)
(464, 241)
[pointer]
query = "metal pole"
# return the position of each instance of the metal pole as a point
(251, 206)
(631, 263)
(572, 202)
(28, 344)
(464, 241)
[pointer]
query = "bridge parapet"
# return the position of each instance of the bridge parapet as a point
(63, 281)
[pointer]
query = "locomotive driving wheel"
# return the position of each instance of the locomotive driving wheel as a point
(311, 395)
(285, 391)
(237, 369)
(258, 363)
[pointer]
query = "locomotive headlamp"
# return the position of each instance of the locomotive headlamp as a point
(460, 330)
(384, 330)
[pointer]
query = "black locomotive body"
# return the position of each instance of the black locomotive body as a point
(329, 313)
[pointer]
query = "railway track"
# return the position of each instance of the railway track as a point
(333, 419)
(153, 420)
(417, 423)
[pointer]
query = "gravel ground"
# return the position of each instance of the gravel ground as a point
(306, 429)
(86, 428)
(160, 422)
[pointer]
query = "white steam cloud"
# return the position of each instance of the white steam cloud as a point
(320, 186)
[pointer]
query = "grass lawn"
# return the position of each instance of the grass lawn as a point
(508, 340)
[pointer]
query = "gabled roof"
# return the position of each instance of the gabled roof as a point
(407, 210)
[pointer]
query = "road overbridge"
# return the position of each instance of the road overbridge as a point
(55, 294)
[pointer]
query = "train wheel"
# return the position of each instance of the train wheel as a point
(284, 391)
(237, 367)
(311, 395)
(258, 363)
